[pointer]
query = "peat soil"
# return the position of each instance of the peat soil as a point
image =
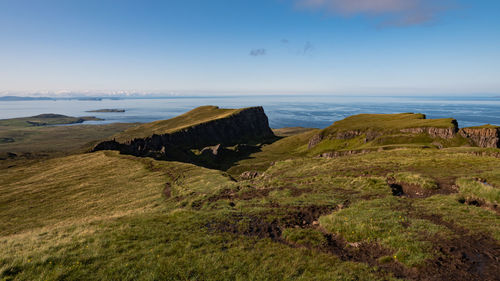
(464, 257)
(416, 191)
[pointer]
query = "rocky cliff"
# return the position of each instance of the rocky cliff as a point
(375, 126)
(444, 133)
(486, 136)
(248, 125)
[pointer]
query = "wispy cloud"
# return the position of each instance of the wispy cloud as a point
(258, 52)
(392, 12)
(307, 49)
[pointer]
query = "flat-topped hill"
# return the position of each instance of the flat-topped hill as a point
(199, 115)
(390, 122)
(184, 137)
(380, 131)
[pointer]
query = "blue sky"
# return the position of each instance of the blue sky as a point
(251, 47)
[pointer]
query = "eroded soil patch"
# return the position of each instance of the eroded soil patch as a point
(481, 203)
(306, 217)
(464, 257)
(416, 191)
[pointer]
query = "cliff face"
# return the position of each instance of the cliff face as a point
(482, 137)
(444, 133)
(374, 126)
(248, 125)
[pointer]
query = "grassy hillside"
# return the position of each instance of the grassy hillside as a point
(388, 122)
(54, 139)
(386, 131)
(196, 116)
(413, 212)
(285, 148)
(108, 216)
(487, 126)
(390, 137)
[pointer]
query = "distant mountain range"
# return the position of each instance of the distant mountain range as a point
(15, 98)
(19, 98)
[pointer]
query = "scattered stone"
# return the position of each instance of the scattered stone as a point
(355, 244)
(248, 175)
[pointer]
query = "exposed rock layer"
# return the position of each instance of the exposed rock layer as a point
(444, 133)
(482, 137)
(248, 125)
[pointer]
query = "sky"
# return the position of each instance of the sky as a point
(395, 47)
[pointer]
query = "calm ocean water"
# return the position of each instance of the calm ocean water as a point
(283, 111)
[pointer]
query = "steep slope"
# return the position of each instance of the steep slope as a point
(186, 137)
(483, 136)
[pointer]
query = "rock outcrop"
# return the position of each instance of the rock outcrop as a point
(444, 133)
(248, 175)
(344, 135)
(482, 136)
(247, 125)
(335, 154)
(315, 140)
(381, 127)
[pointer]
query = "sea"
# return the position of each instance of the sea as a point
(315, 111)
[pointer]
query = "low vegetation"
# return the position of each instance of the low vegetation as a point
(415, 179)
(472, 189)
(107, 216)
(389, 122)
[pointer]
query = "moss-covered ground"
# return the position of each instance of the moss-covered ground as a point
(106, 216)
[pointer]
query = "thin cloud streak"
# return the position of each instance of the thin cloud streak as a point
(392, 12)
(258, 52)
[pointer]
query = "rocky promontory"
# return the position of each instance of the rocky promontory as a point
(372, 132)
(386, 128)
(205, 129)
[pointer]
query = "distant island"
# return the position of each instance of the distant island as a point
(107, 110)
(47, 119)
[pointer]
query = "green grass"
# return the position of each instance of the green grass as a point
(103, 216)
(388, 122)
(108, 216)
(307, 237)
(471, 188)
(476, 220)
(415, 179)
(55, 139)
(291, 131)
(385, 221)
(289, 147)
(487, 126)
(87, 187)
(373, 132)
